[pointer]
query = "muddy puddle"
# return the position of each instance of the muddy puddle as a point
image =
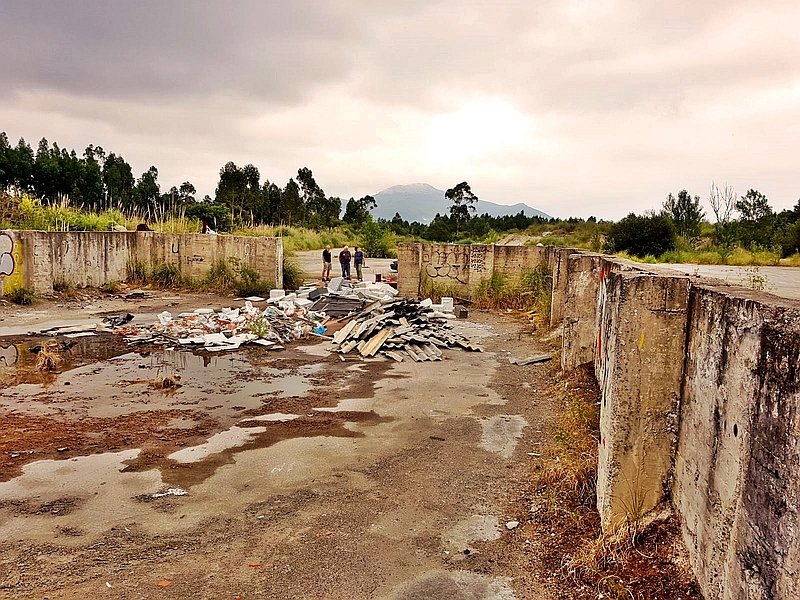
(99, 377)
(145, 421)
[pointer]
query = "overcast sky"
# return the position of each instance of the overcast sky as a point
(574, 107)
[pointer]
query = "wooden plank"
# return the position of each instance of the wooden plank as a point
(376, 342)
(342, 334)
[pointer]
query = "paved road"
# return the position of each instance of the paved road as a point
(781, 281)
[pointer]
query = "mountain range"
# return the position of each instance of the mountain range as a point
(420, 202)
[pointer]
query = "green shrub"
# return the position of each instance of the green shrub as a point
(533, 292)
(110, 287)
(21, 296)
(247, 281)
(292, 275)
(642, 235)
(377, 242)
(165, 275)
(220, 278)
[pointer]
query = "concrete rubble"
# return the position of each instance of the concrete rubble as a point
(366, 318)
(229, 328)
(401, 329)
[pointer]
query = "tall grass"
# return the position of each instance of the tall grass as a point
(436, 290)
(532, 291)
(230, 276)
(30, 213)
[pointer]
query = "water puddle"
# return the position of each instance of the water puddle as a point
(99, 377)
(225, 440)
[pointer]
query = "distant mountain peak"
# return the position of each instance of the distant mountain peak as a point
(411, 188)
(421, 201)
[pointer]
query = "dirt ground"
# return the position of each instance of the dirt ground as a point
(277, 474)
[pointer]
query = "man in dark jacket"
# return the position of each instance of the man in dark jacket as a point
(358, 261)
(326, 264)
(344, 260)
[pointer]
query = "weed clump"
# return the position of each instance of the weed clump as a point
(111, 287)
(65, 288)
(292, 275)
(430, 288)
(641, 559)
(234, 276)
(48, 358)
(533, 291)
(21, 296)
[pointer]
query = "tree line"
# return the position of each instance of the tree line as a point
(747, 221)
(99, 181)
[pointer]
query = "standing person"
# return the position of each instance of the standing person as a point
(326, 264)
(344, 260)
(358, 261)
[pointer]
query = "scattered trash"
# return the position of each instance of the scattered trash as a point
(171, 492)
(366, 317)
(80, 334)
(512, 525)
(230, 328)
(118, 321)
(64, 449)
(136, 295)
(531, 360)
(164, 583)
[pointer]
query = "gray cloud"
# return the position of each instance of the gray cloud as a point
(620, 102)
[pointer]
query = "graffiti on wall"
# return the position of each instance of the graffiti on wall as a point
(7, 262)
(477, 259)
(447, 262)
(8, 355)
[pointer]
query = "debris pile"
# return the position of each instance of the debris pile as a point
(229, 328)
(367, 318)
(401, 329)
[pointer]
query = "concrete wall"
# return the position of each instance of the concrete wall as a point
(87, 258)
(737, 465)
(462, 268)
(640, 366)
(700, 405)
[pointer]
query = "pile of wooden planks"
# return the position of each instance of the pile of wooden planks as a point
(401, 329)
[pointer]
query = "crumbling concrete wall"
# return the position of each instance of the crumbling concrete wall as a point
(737, 467)
(460, 269)
(584, 275)
(558, 262)
(89, 258)
(640, 366)
(700, 404)
(700, 388)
